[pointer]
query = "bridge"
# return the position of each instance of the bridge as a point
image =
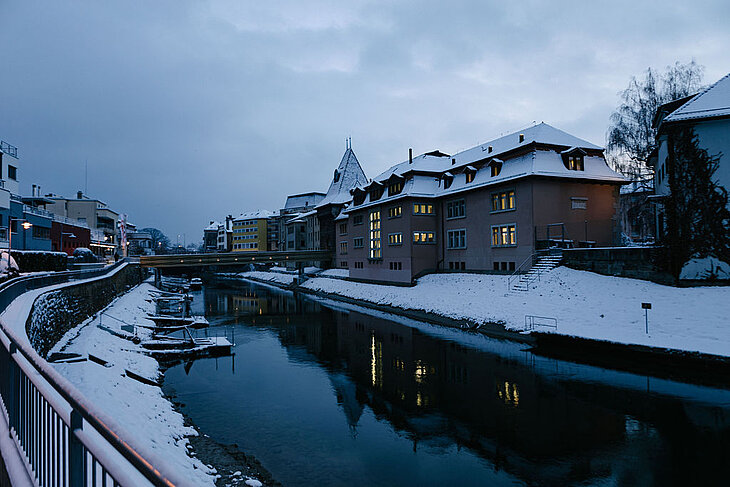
(234, 259)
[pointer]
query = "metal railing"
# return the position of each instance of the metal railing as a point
(521, 269)
(8, 149)
(531, 321)
(37, 211)
(60, 437)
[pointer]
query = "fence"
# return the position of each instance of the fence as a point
(58, 438)
(531, 321)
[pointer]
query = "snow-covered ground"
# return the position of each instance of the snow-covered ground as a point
(276, 277)
(336, 273)
(141, 409)
(585, 304)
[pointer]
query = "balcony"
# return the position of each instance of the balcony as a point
(37, 211)
(8, 149)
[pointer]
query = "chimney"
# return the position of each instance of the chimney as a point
(522, 138)
(489, 149)
(453, 161)
(32, 191)
(79, 195)
(410, 156)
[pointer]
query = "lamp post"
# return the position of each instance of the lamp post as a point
(26, 226)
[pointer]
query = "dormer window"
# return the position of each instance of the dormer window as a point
(395, 188)
(495, 167)
(337, 176)
(376, 193)
(358, 196)
(470, 173)
(447, 178)
(574, 163)
(573, 159)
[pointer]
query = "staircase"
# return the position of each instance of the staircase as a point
(520, 281)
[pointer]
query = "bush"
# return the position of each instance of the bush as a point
(40, 260)
(82, 255)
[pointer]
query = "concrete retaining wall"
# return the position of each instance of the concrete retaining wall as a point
(56, 312)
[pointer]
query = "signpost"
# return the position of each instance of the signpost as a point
(646, 307)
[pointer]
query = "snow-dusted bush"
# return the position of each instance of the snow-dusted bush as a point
(82, 255)
(40, 260)
(708, 268)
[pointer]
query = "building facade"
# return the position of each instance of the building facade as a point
(250, 232)
(488, 208)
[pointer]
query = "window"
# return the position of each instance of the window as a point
(337, 178)
(395, 188)
(343, 228)
(395, 239)
(41, 232)
(457, 266)
(455, 209)
(496, 168)
(504, 235)
(358, 243)
(504, 266)
(358, 265)
(422, 209)
(503, 201)
(574, 163)
(456, 239)
(343, 247)
(375, 251)
(470, 177)
(343, 264)
(396, 266)
(424, 237)
(395, 211)
(376, 193)
(357, 220)
(12, 172)
(579, 203)
(447, 182)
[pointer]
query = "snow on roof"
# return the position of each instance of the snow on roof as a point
(255, 215)
(537, 162)
(303, 200)
(348, 175)
(540, 133)
(300, 217)
(712, 102)
(212, 226)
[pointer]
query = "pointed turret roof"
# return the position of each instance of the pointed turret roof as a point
(347, 175)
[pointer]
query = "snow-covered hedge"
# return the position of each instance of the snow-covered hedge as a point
(40, 260)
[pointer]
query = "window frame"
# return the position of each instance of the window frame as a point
(450, 234)
(500, 234)
(428, 206)
(506, 194)
(391, 210)
(423, 242)
(399, 242)
(375, 247)
(454, 203)
(360, 240)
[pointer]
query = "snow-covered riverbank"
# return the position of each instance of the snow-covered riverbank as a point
(584, 304)
(142, 410)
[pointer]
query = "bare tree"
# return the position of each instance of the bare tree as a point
(631, 137)
(160, 242)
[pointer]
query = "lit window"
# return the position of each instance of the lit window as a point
(395, 188)
(574, 163)
(422, 209)
(504, 235)
(375, 250)
(424, 237)
(470, 177)
(503, 201)
(395, 239)
(395, 211)
(495, 169)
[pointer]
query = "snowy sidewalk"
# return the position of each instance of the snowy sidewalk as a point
(585, 304)
(142, 410)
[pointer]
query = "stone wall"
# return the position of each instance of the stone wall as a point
(633, 262)
(56, 312)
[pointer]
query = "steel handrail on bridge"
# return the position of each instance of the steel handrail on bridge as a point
(234, 258)
(46, 415)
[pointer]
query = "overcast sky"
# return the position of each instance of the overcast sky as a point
(187, 111)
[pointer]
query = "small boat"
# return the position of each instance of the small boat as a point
(196, 283)
(188, 345)
(164, 320)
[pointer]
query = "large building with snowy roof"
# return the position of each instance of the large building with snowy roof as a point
(488, 208)
(708, 114)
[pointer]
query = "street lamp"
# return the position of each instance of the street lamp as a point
(26, 226)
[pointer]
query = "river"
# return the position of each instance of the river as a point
(328, 394)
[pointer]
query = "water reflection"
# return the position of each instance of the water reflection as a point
(466, 411)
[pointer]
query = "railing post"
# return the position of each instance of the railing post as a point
(76, 456)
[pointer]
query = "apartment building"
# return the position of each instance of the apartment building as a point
(250, 232)
(101, 220)
(488, 208)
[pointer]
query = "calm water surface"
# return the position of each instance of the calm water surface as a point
(328, 395)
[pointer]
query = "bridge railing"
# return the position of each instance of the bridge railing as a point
(235, 258)
(56, 436)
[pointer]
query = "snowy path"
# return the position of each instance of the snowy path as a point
(141, 409)
(585, 304)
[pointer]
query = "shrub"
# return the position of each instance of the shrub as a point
(40, 260)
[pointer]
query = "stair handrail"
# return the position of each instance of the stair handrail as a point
(519, 271)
